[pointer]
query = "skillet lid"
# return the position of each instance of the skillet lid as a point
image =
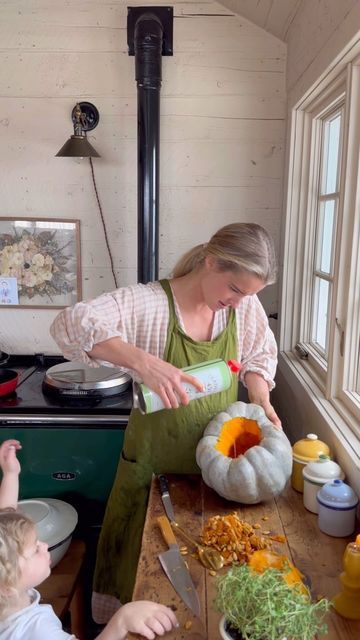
(76, 378)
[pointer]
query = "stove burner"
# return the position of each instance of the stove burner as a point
(33, 400)
(77, 380)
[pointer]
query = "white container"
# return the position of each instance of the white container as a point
(337, 509)
(315, 474)
(55, 521)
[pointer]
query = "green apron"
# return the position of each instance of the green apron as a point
(161, 442)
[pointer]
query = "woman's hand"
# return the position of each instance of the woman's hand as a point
(167, 381)
(160, 376)
(258, 392)
(146, 618)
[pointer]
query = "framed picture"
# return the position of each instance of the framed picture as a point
(39, 262)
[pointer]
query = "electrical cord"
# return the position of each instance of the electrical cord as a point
(103, 223)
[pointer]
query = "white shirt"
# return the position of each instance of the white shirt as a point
(35, 622)
(139, 315)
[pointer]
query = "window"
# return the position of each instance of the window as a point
(320, 319)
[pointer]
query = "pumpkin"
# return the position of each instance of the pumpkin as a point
(242, 456)
(265, 559)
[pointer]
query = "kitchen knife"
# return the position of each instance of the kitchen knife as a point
(165, 496)
(175, 568)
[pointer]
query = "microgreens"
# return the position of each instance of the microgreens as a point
(263, 607)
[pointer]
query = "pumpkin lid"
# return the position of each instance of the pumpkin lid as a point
(322, 470)
(309, 448)
(337, 495)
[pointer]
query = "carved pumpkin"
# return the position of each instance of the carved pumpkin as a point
(242, 456)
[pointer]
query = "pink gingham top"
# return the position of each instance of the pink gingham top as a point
(139, 315)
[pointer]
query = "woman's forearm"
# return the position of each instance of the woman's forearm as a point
(120, 353)
(258, 392)
(258, 388)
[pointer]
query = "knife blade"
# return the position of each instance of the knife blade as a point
(165, 497)
(175, 568)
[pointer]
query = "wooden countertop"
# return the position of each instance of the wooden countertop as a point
(317, 555)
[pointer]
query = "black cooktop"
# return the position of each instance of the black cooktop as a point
(29, 398)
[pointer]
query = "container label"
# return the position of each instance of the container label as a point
(214, 375)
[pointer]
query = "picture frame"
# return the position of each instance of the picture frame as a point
(40, 263)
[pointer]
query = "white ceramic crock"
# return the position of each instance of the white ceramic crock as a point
(337, 508)
(315, 474)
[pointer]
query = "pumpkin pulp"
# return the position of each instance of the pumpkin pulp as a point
(237, 436)
(265, 559)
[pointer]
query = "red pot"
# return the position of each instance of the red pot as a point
(8, 381)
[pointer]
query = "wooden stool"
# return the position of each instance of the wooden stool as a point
(63, 589)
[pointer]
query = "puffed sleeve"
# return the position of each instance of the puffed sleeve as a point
(138, 314)
(257, 345)
(77, 329)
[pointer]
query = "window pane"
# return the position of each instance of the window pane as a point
(331, 154)
(325, 236)
(320, 313)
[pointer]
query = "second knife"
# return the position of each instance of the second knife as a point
(175, 568)
(165, 497)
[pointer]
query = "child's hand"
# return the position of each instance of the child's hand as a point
(8, 460)
(146, 618)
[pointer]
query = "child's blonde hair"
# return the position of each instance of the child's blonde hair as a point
(15, 529)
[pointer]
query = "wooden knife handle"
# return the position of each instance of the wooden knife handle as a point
(166, 530)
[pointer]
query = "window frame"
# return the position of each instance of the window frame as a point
(332, 379)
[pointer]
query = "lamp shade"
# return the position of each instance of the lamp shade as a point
(77, 147)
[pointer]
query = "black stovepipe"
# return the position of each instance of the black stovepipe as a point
(148, 39)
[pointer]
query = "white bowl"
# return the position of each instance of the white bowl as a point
(55, 521)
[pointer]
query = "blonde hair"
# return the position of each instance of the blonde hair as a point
(242, 246)
(15, 529)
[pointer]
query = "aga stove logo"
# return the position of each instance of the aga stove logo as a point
(64, 475)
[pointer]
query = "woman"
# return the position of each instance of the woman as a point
(208, 310)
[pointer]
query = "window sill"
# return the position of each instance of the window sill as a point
(303, 409)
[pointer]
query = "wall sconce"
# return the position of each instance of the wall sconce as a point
(85, 117)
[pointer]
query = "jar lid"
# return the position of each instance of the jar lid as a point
(337, 495)
(322, 470)
(309, 448)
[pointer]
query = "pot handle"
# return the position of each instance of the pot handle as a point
(4, 357)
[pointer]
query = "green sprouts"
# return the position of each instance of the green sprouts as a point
(263, 607)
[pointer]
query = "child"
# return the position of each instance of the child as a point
(25, 563)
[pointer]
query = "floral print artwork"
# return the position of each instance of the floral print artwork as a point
(42, 258)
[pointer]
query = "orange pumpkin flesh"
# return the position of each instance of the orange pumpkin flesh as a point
(237, 436)
(265, 559)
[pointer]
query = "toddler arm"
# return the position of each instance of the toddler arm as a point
(10, 466)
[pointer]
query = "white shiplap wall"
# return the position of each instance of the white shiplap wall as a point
(222, 134)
